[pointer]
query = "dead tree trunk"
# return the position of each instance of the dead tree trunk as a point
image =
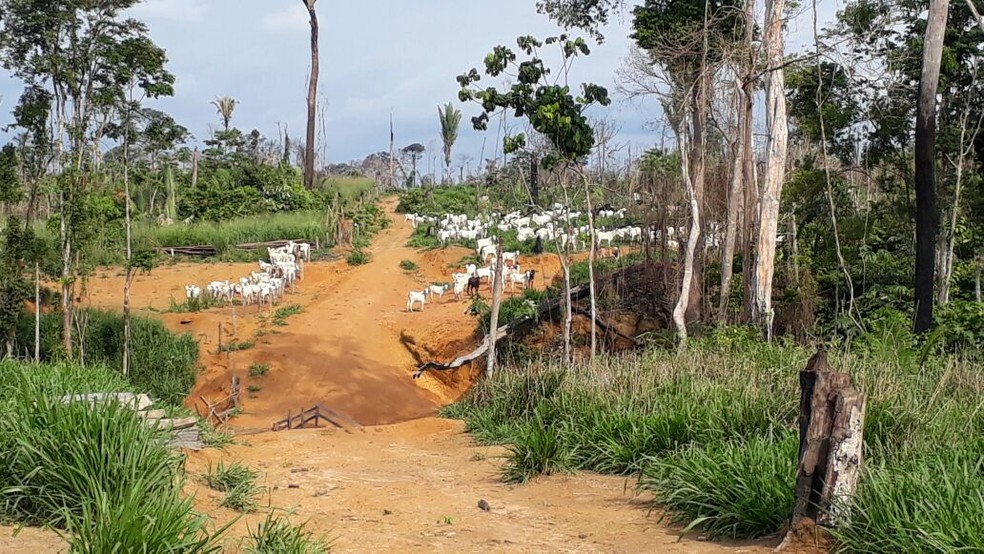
(775, 166)
(496, 301)
(312, 97)
(831, 423)
(925, 154)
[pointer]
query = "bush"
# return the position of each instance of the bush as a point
(735, 489)
(162, 364)
(275, 535)
(408, 265)
(99, 472)
(358, 257)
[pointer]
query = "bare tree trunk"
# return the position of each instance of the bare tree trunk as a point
(775, 168)
(194, 167)
(128, 279)
(37, 313)
(977, 278)
(591, 277)
(67, 285)
(748, 177)
(496, 302)
(925, 154)
(392, 159)
(312, 96)
(734, 203)
(679, 312)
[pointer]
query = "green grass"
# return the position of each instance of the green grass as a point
(713, 433)
(238, 482)
(254, 388)
(97, 472)
(349, 188)
(257, 369)
(358, 257)
(281, 314)
(276, 535)
(408, 265)
(309, 225)
(191, 305)
(711, 486)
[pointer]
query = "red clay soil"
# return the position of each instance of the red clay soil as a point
(405, 484)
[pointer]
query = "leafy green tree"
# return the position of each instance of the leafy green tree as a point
(414, 152)
(85, 53)
(450, 119)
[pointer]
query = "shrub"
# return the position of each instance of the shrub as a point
(276, 535)
(358, 257)
(727, 489)
(257, 369)
(408, 265)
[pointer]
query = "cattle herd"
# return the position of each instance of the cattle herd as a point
(266, 286)
(557, 224)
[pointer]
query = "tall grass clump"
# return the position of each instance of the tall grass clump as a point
(97, 471)
(163, 363)
(931, 503)
(277, 535)
(238, 482)
(741, 488)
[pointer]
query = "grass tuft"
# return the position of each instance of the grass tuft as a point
(358, 257)
(276, 535)
(257, 369)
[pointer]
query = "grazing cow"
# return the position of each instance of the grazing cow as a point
(473, 284)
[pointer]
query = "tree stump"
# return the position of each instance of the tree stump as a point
(831, 424)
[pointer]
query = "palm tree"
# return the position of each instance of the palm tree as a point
(312, 97)
(450, 118)
(224, 106)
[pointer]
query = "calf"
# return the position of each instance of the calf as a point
(473, 284)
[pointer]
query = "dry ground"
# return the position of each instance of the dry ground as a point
(407, 481)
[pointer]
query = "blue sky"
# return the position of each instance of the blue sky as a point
(377, 57)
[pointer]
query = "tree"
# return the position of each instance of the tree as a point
(926, 218)
(553, 112)
(84, 53)
(225, 106)
(775, 165)
(450, 119)
(312, 96)
(414, 151)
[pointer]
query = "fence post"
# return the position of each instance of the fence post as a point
(831, 423)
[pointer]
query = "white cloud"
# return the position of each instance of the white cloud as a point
(292, 19)
(170, 10)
